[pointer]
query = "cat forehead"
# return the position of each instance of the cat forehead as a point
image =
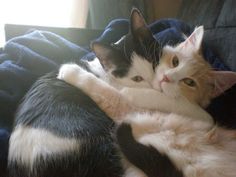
(184, 56)
(176, 50)
(190, 63)
(148, 48)
(141, 66)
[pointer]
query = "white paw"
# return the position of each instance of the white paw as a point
(160, 141)
(146, 139)
(70, 72)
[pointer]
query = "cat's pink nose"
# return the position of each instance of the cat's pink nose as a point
(165, 79)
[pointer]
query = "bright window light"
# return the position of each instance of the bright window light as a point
(58, 13)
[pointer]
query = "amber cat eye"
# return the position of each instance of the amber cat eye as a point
(189, 82)
(175, 61)
(137, 78)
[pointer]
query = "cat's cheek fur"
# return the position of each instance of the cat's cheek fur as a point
(27, 144)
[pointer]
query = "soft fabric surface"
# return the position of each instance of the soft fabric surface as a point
(27, 57)
(219, 20)
(4, 137)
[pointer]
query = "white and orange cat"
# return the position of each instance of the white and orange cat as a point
(168, 113)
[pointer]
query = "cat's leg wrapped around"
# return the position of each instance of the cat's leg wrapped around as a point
(108, 98)
(151, 99)
(125, 63)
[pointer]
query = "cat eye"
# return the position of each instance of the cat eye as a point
(189, 82)
(175, 61)
(137, 78)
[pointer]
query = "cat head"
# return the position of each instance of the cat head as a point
(131, 60)
(184, 72)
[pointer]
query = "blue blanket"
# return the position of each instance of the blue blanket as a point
(26, 58)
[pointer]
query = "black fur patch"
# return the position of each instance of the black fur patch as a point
(64, 110)
(146, 158)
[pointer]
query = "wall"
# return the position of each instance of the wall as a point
(157, 9)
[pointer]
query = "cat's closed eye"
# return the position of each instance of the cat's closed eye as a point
(175, 61)
(137, 78)
(189, 82)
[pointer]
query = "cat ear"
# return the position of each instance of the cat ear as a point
(102, 52)
(136, 19)
(222, 80)
(194, 41)
(138, 26)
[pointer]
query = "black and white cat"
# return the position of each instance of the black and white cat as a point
(169, 118)
(60, 132)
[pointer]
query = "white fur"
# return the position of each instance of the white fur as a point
(184, 52)
(71, 72)
(142, 67)
(193, 42)
(96, 67)
(132, 171)
(175, 74)
(139, 67)
(26, 144)
(186, 143)
(141, 96)
(153, 99)
(183, 139)
(195, 39)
